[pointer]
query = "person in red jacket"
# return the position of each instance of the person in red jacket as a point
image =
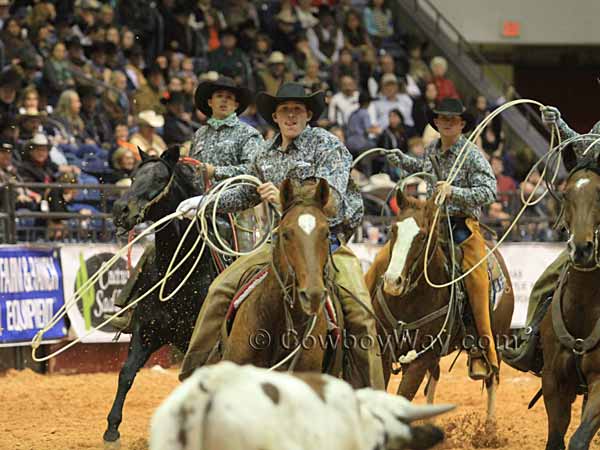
(445, 86)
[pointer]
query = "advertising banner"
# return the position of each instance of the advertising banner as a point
(31, 292)
(80, 263)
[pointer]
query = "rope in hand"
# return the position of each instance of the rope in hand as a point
(71, 302)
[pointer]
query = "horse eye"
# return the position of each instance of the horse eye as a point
(286, 235)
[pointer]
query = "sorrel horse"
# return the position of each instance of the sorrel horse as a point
(570, 332)
(160, 184)
(413, 313)
(292, 295)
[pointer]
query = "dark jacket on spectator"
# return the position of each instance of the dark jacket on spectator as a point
(232, 64)
(97, 126)
(176, 130)
(31, 172)
(392, 139)
(57, 76)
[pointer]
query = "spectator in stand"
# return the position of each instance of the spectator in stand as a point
(179, 35)
(75, 52)
(239, 12)
(148, 96)
(305, 13)
(362, 131)
(100, 71)
(356, 37)
(416, 147)
(43, 39)
(423, 108)
(146, 138)
(394, 97)
(57, 72)
(228, 59)
(261, 52)
(301, 56)
(387, 65)
(24, 198)
(10, 83)
(378, 21)
(16, 44)
(445, 86)
(418, 69)
(312, 79)
(177, 130)
(506, 185)
(95, 118)
(134, 67)
(115, 103)
(344, 102)
(326, 39)
(68, 113)
(286, 27)
(210, 30)
(345, 66)
(124, 162)
(30, 123)
(394, 136)
(37, 166)
(269, 80)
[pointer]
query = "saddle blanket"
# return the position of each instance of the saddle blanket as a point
(247, 288)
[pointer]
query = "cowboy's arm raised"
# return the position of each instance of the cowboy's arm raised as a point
(551, 116)
(482, 184)
(246, 151)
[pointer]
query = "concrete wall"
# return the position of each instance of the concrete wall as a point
(543, 22)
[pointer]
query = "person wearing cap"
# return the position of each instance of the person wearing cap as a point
(10, 82)
(473, 188)
(225, 145)
(392, 97)
(148, 96)
(177, 129)
(229, 60)
(146, 138)
(8, 173)
(275, 75)
(524, 357)
(298, 152)
(37, 166)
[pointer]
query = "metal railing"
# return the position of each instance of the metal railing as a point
(27, 222)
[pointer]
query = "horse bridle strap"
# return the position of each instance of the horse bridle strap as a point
(403, 326)
(577, 345)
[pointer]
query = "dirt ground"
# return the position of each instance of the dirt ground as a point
(68, 412)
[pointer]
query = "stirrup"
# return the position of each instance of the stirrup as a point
(476, 356)
(124, 322)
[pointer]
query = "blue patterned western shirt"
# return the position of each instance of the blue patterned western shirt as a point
(227, 144)
(472, 189)
(315, 153)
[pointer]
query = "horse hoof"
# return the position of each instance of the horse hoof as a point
(112, 445)
(112, 437)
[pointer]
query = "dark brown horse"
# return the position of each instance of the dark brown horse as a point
(571, 331)
(282, 308)
(409, 299)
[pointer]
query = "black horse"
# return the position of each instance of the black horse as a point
(159, 185)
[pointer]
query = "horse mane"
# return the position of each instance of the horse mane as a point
(588, 163)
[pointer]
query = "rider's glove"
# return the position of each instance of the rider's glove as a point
(189, 207)
(550, 115)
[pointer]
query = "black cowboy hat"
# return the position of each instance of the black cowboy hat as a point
(452, 107)
(206, 89)
(86, 90)
(266, 104)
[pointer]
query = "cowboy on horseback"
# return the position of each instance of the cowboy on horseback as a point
(225, 147)
(472, 189)
(300, 152)
(525, 356)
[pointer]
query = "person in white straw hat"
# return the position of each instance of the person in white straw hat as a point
(146, 138)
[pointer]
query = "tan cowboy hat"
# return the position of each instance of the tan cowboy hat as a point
(276, 58)
(286, 16)
(379, 184)
(150, 118)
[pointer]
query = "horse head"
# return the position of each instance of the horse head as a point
(159, 185)
(302, 244)
(407, 243)
(581, 203)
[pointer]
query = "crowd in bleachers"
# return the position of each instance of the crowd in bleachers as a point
(84, 83)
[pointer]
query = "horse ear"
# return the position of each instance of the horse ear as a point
(171, 155)
(143, 154)
(569, 157)
(401, 199)
(322, 192)
(286, 193)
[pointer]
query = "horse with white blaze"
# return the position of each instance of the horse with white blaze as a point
(226, 406)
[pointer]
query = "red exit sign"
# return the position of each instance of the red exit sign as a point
(511, 28)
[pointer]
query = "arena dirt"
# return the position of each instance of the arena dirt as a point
(68, 412)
